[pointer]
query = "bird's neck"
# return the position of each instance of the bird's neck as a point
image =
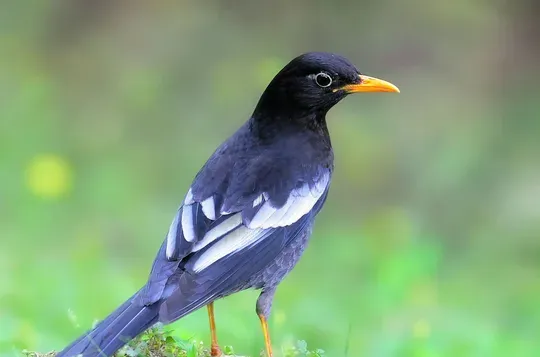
(267, 127)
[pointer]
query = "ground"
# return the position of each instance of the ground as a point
(158, 342)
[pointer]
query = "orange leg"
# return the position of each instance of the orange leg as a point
(215, 351)
(266, 334)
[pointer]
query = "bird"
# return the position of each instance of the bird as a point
(248, 215)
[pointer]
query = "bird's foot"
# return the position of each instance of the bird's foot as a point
(215, 351)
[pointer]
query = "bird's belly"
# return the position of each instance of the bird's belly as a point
(275, 272)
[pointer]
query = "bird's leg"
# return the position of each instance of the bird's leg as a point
(215, 351)
(264, 305)
(266, 334)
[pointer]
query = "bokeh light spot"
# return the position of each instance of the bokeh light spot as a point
(49, 176)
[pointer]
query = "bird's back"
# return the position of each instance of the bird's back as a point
(248, 163)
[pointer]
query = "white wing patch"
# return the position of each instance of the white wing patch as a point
(263, 214)
(219, 231)
(237, 240)
(171, 236)
(299, 202)
(258, 200)
(189, 198)
(188, 226)
(209, 208)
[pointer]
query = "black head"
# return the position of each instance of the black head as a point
(313, 83)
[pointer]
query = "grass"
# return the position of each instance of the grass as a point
(160, 342)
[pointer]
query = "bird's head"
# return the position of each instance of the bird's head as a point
(313, 83)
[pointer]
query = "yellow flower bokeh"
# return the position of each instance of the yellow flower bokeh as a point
(49, 176)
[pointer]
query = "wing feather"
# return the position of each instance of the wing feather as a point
(226, 275)
(202, 237)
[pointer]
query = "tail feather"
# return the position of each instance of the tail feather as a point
(122, 325)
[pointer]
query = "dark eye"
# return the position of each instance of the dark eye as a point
(323, 80)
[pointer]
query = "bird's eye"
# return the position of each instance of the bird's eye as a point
(323, 80)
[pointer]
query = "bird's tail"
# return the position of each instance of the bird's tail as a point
(122, 325)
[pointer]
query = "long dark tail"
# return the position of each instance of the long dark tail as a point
(117, 329)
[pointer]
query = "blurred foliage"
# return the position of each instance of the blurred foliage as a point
(428, 245)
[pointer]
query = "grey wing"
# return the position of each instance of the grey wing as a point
(217, 248)
(207, 278)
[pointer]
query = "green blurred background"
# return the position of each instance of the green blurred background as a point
(429, 243)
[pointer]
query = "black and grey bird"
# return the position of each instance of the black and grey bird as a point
(248, 215)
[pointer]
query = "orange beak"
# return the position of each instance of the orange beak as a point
(370, 84)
